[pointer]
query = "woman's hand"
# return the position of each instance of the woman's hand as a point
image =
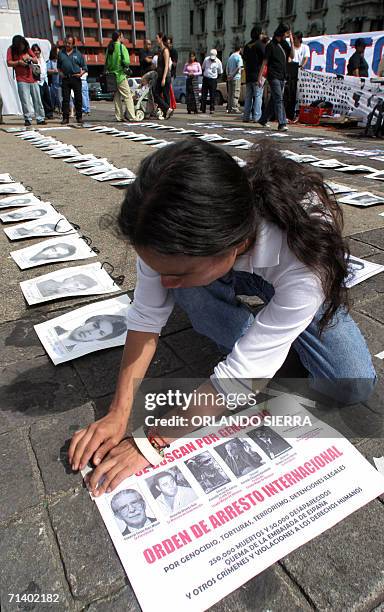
(121, 462)
(163, 82)
(97, 439)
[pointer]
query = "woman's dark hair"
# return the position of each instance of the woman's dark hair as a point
(281, 29)
(191, 53)
(53, 53)
(35, 46)
(298, 35)
(255, 33)
(164, 39)
(115, 37)
(192, 198)
(19, 46)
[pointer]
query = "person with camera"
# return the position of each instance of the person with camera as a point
(27, 72)
(71, 65)
(117, 61)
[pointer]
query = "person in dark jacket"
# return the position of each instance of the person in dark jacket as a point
(253, 56)
(71, 65)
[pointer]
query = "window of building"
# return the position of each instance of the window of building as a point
(263, 10)
(202, 20)
(90, 32)
(125, 16)
(70, 12)
(289, 7)
(240, 12)
(318, 4)
(106, 14)
(140, 17)
(140, 35)
(219, 16)
(88, 13)
(191, 13)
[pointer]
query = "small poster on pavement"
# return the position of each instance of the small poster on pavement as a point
(28, 213)
(52, 225)
(64, 248)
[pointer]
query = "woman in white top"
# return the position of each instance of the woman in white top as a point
(45, 93)
(206, 230)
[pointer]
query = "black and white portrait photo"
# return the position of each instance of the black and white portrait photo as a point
(207, 472)
(12, 188)
(269, 441)
(27, 199)
(171, 491)
(360, 270)
(53, 225)
(363, 198)
(28, 213)
(58, 249)
(130, 511)
(239, 456)
(85, 330)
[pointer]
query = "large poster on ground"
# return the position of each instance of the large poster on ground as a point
(331, 53)
(350, 96)
(226, 504)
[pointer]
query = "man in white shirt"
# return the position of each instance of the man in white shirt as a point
(302, 53)
(212, 68)
(233, 69)
(300, 59)
(129, 507)
(172, 497)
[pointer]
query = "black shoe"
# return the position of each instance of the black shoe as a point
(27, 123)
(64, 122)
(49, 116)
(41, 122)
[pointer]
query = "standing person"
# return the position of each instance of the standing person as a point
(174, 57)
(300, 60)
(301, 51)
(85, 93)
(253, 56)
(116, 61)
(45, 94)
(20, 57)
(71, 65)
(212, 68)
(206, 230)
(54, 79)
(146, 57)
(233, 70)
(277, 53)
(163, 82)
(357, 65)
(192, 70)
(1, 110)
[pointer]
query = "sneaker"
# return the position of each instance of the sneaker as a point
(266, 125)
(211, 112)
(282, 128)
(169, 113)
(41, 122)
(27, 122)
(246, 120)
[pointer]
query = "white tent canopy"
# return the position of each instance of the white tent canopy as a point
(8, 88)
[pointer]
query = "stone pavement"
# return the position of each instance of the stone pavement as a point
(52, 539)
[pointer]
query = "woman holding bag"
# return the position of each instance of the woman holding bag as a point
(116, 61)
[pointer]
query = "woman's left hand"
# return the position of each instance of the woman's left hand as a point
(163, 83)
(121, 462)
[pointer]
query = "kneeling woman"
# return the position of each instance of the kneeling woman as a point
(206, 230)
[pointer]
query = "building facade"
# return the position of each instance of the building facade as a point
(90, 21)
(203, 24)
(10, 19)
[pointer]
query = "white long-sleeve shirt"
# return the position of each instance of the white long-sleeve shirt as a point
(262, 350)
(212, 69)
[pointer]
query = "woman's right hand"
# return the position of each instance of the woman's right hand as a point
(96, 440)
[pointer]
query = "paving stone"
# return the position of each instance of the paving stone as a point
(30, 565)
(91, 563)
(270, 590)
(375, 237)
(16, 467)
(99, 371)
(192, 347)
(361, 249)
(50, 439)
(36, 388)
(178, 321)
(343, 568)
(374, 309)
(19, 341)
(124, 601)
(374, 335)
(372, 448)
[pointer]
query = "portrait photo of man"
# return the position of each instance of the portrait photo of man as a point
(129, 508)
(171, 491)
(207, 472)
(269, 441)
(239, 456)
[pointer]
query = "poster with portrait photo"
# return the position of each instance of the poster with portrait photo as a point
(85, 330)
(360, 270)
(28, 213)
(14, 201)
(65, 248)
(207, 472)
(338, 188)
(239, 456)
(131, 510)
(90, 279)
(269, 441)
(362, 198)
(171, 490)
(8, 188)
(122, 173)
(52, 225)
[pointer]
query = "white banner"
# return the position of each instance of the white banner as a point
(225, 505)
(349, 95)
(331, 53)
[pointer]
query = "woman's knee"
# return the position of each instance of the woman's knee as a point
(347, 391)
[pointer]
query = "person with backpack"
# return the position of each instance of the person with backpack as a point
(117, 61)
(22, 60)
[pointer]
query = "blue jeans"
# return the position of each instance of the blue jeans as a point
(85, 96)
(29, 94)
(338, 361)
(253, 101)
(276, 103)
